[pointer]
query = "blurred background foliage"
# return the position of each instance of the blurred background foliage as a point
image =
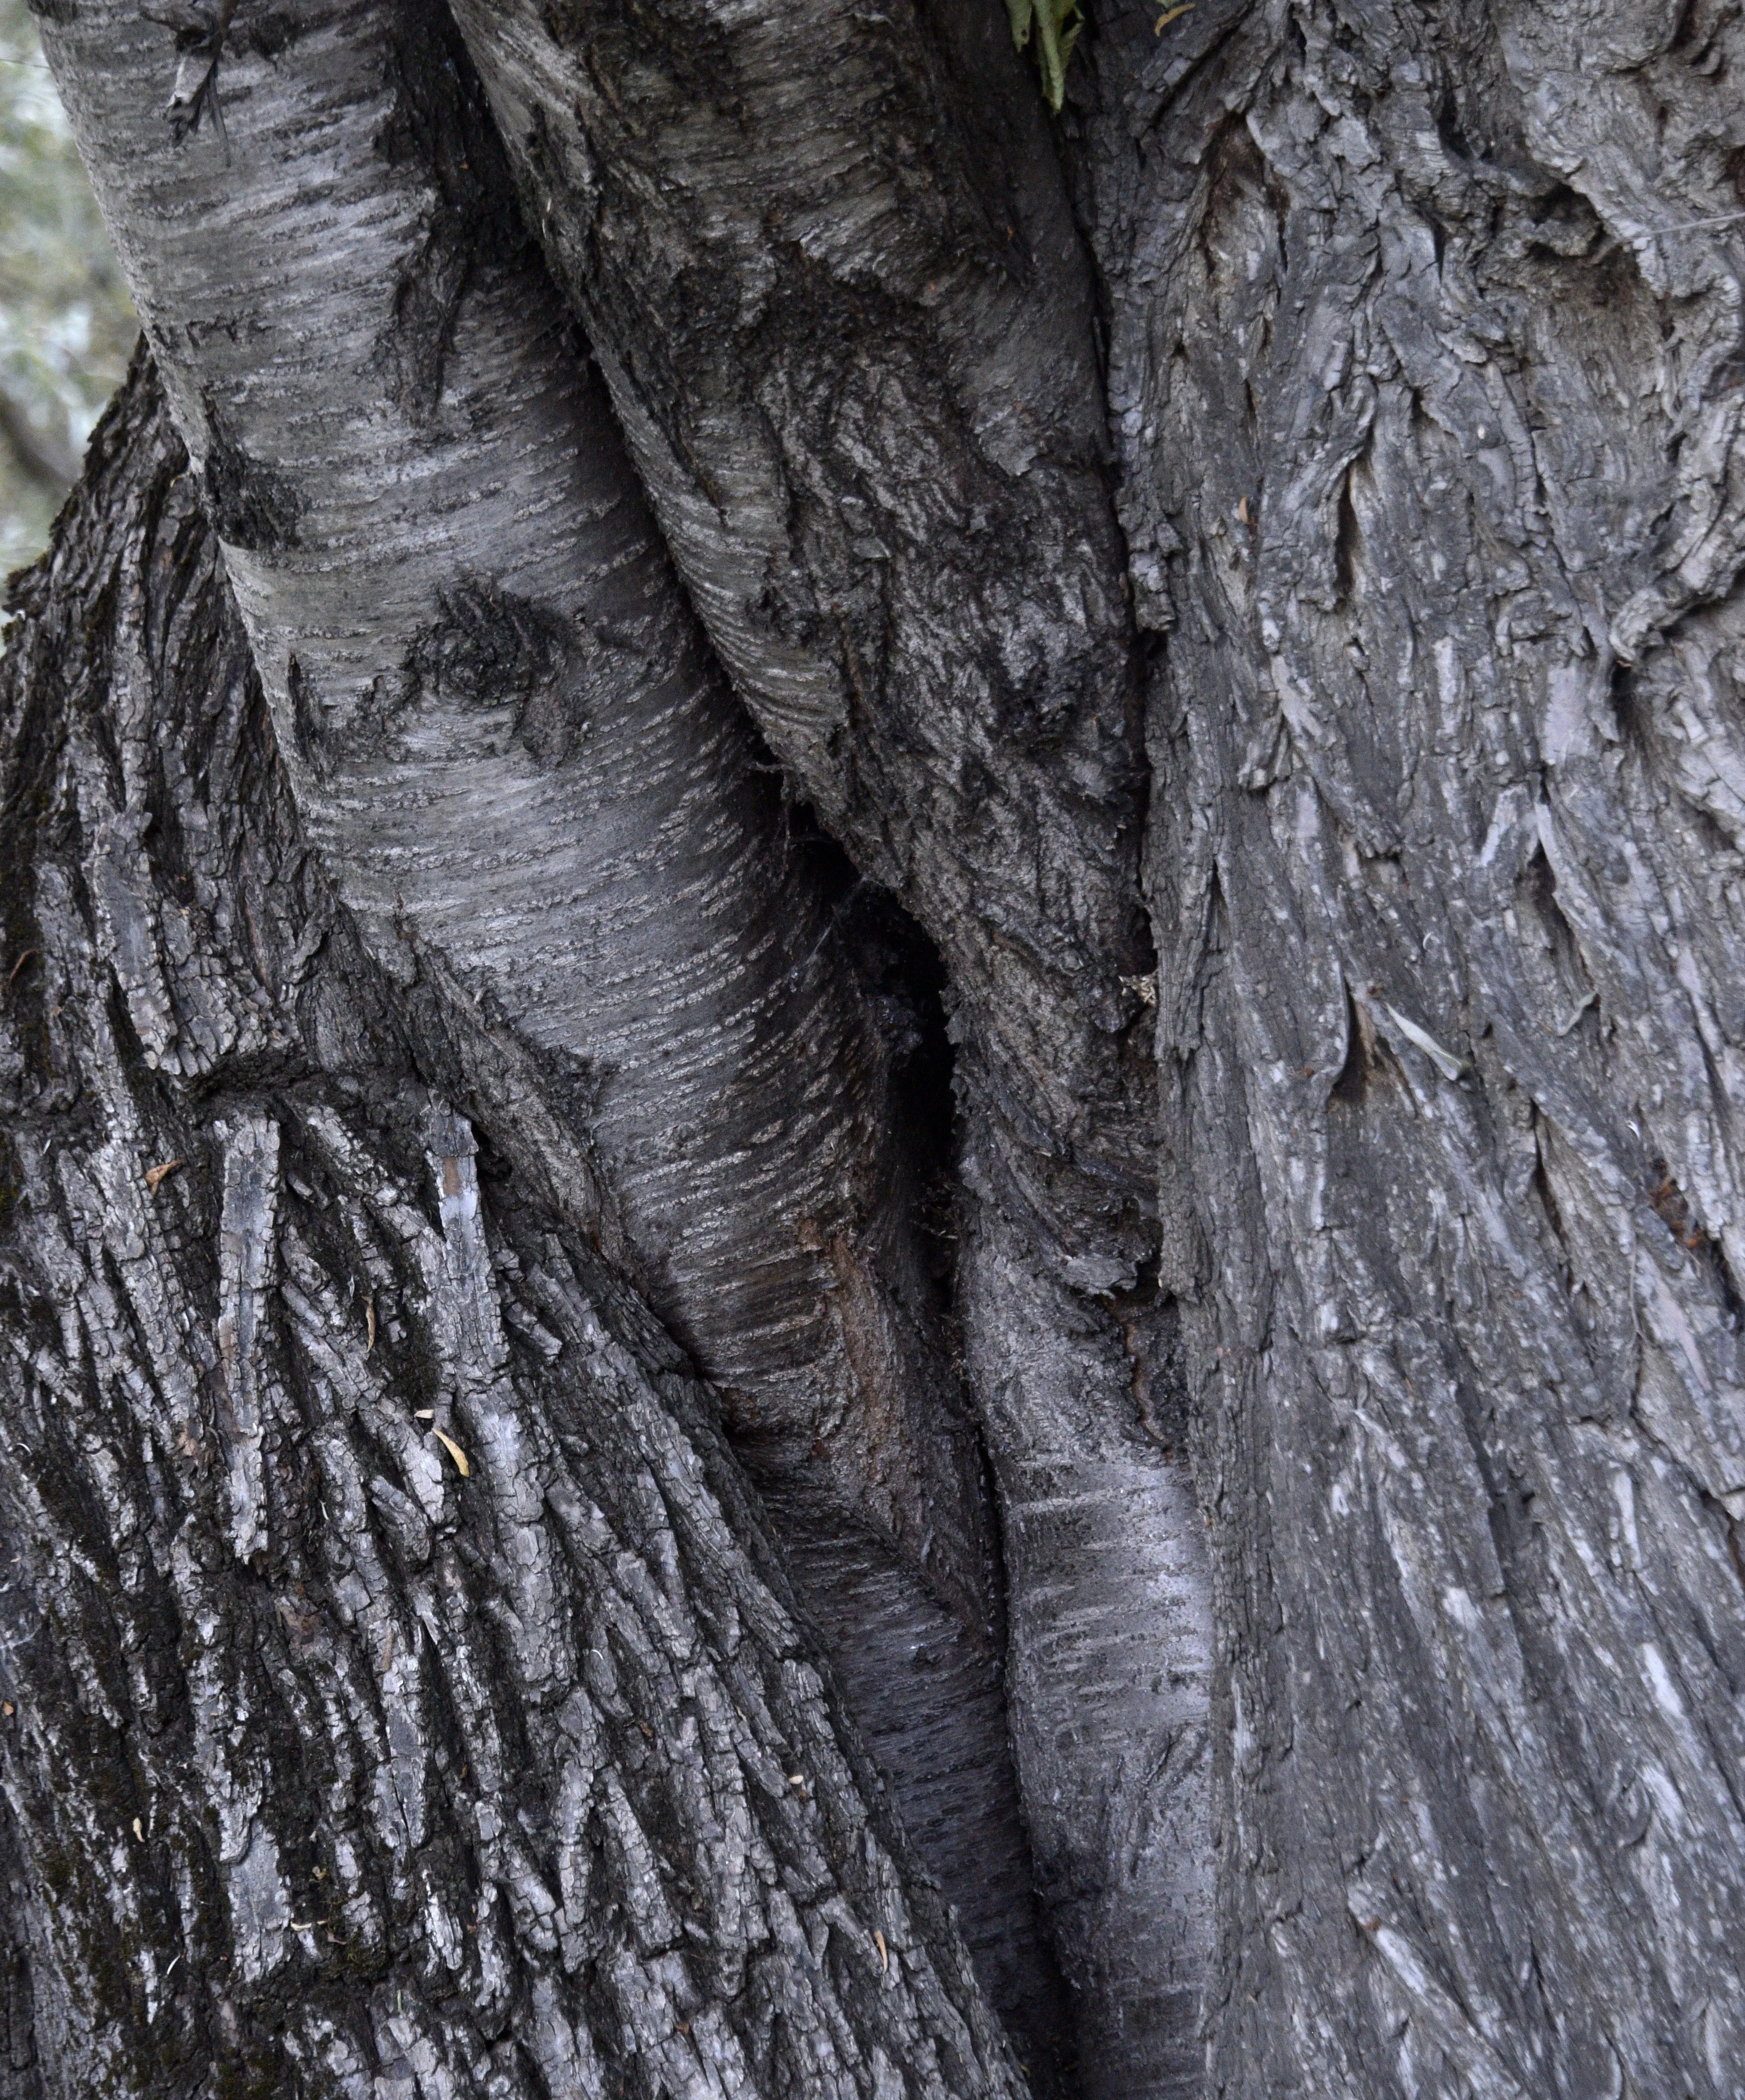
(66, 327)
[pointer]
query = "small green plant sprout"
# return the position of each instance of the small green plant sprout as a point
(1057, 23)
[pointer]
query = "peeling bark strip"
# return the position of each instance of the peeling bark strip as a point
(824, 256)
(245, 1274)
(1450, 1004)
(508, 1786)
(511, 747)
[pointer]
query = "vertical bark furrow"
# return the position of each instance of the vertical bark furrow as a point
(510, 746)
(1449, 1007)
(400, 1693)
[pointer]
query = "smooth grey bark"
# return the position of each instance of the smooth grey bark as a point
(826, 259)
(1425, 368)
(332, 1764)
(510, 745)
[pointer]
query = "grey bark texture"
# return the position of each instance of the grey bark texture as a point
(1424, 369)
(826, 262)
(1300, 494)
(400, 1692)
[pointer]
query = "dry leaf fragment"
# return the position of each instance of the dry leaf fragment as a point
(1445, 1061)
(425, 1414)
(155, 1175)
(456, 1453)
(1173, 15)
(1242, 512)
(138, 1832)
(884, 1957)
(369, 1322)
(21, 962)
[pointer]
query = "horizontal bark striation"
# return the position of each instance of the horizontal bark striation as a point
(1109, 1651)
(825, 261)
(334, 1764)
(507, 739)
(1448, 861)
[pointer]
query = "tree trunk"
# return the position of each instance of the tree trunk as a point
(486, 990)
(859, 378)
(506, 736)
(1432, 478)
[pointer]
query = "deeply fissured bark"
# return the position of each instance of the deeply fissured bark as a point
(1431, 443)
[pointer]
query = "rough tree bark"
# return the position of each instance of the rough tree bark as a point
(1391, 607)
(507, 738)
(1425, 362)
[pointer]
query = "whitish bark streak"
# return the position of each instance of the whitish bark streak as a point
(1429, 431)
(510, 744)
(510, 1783)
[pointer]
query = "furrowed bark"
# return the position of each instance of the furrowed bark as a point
(825, 259)
(1447, 854)
(329, 1767)
(509, 743)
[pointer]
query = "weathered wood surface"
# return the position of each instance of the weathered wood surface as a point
(1431, 463)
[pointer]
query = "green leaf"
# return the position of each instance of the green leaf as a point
(1056, 24)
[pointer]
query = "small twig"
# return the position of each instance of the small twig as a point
(45, 459)
(1691, 225)
(21, 962)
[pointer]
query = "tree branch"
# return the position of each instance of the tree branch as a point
(49, 464)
